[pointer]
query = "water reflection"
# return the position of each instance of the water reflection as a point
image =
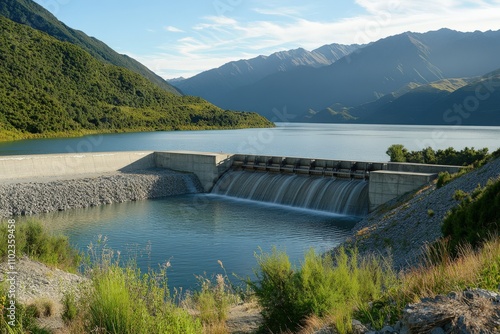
(196, 231)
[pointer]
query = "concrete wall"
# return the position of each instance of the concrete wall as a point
(387, 185)
(72, 164)
(387, 180)
(421, 168)
(207, 166)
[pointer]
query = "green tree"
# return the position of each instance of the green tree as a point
(397, 153)
(429, 156)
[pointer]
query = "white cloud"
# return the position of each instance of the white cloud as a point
(219, 39)
(281, 11)
(169, 65)
(172, 29)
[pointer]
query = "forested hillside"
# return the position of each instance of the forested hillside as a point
(32, 14)
(49, 87)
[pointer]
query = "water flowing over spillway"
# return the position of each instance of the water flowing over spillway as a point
(335, 195)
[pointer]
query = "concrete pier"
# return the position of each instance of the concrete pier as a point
(208, 167)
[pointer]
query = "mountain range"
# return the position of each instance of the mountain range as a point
(398, 79)
(215, 84)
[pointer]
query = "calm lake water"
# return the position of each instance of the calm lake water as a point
(196, 231)
(193, 232)
(329, 141)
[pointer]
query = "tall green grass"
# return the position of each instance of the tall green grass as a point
(344, 287)
(323, 286)
(125, 301)
(213, 301)
(33, 240)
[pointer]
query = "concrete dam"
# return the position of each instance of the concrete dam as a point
(344, 187)
(342, 196)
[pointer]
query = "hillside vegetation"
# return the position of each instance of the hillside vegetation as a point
(476, 218)
(465, 157)
(31, 14)
(48, 87)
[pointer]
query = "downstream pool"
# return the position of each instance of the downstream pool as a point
(193, 232)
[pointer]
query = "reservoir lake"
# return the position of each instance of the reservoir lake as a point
(194, 232)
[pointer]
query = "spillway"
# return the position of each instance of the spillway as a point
(330, 194)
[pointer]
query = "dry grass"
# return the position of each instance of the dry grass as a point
(364, 232)
(43, 307)
(215, 328)
(477, 314)
(314, 323)
(442, 273)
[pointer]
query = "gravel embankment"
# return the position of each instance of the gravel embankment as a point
(28, 198)
(35, 281)
(403, 230)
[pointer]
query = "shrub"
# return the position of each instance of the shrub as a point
(322, 286)
(430, 213)
(450, 156)
(33, 241)
(443, 179)
(397, 153)
(214, 300)
(475, 218)
(459, 195)
(277, 291)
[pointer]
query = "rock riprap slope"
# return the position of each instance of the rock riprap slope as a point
(401, 228)
(27, 198)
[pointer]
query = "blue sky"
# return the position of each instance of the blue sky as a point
(183, 38)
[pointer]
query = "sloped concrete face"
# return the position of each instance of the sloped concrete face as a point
(72, 164)
(387, 185)
(208, 167)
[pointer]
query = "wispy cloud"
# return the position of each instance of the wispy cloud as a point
(172, 29)
(219, 39)
(281, 11)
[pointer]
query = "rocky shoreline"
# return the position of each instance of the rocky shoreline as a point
(29, 197)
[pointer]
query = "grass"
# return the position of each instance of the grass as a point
(323, 291)
(42, 307)
(328, 290)
(289, 296)
(70, 307)
(213, 302)
(123, 300)
(33, 240)
(441, 274)
(25, 320)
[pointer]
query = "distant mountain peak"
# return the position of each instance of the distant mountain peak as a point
(214, 84)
